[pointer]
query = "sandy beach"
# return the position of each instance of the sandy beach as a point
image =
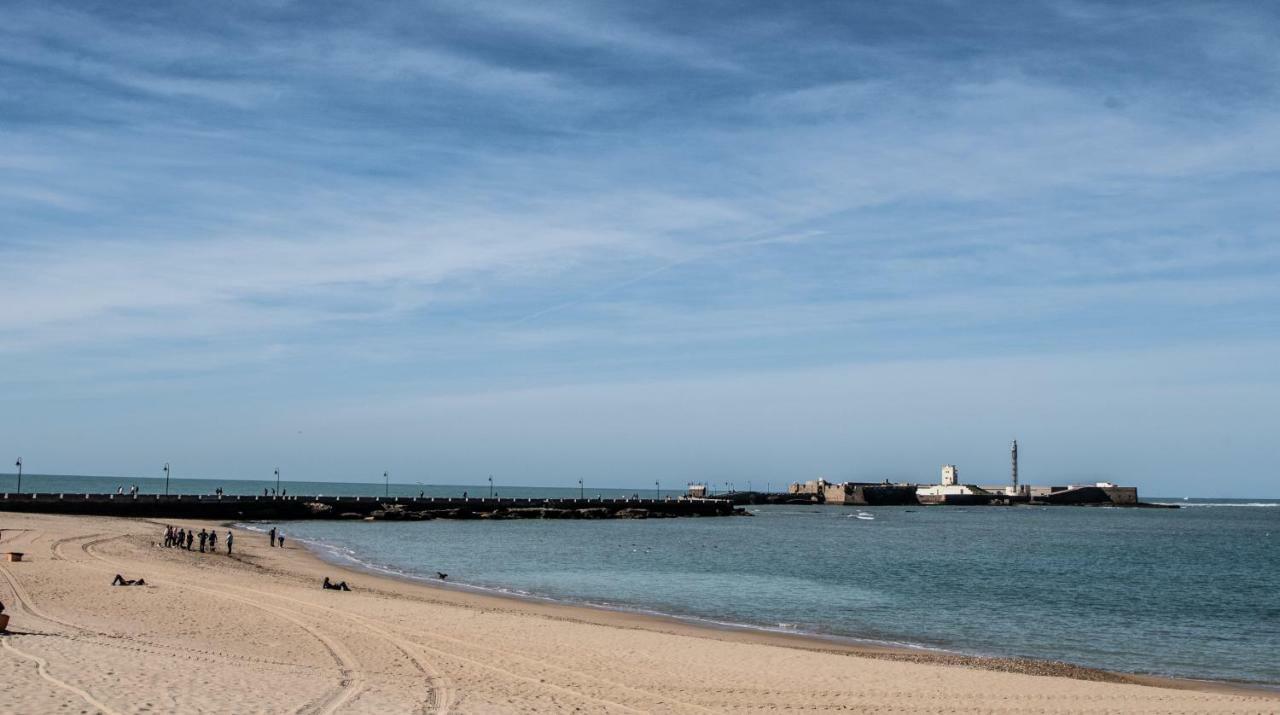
(254, 632)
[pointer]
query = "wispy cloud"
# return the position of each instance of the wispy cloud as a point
(412, 197)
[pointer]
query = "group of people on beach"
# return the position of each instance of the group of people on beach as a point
(273, 536)
(184, 538)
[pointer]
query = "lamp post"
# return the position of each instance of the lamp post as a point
(386, 486)
(277, 480)
(166, 479)
(657, 491)
(19, 466)
(490, 486)
(581, 493)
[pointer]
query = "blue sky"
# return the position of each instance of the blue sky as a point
(643, 240)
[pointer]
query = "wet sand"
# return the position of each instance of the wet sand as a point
(255, 633)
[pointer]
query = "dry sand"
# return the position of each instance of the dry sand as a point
(255, 633)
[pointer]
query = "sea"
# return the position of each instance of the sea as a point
(1192, 592)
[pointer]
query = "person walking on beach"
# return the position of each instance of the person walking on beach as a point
(191, 536)
(213, 541)
(204, 538)
(230, 537)
(182, 536)
(271, 537)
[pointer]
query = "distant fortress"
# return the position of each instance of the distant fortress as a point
(949, 490)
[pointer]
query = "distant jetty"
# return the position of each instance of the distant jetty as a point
(239, 507)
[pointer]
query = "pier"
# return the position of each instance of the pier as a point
(241, 507)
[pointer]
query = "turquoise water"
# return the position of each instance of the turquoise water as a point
(1193, 592)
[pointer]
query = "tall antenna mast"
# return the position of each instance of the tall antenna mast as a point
(1014, 458)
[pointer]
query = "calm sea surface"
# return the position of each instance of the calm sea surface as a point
(1191, 592)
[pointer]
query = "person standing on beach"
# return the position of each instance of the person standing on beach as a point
(204, 538)
(213, 541)
(229, 539)
(191, 536)
(271, 537)
(182, 536)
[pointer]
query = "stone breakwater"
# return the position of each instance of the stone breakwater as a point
(188, 506)
(399, 512)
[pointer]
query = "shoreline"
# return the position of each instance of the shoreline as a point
(656, 621)
(252, 631)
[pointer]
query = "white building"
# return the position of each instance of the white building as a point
(950, 475)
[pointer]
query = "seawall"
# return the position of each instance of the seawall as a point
(237, 507)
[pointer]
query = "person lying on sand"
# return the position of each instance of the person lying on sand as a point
(339, 586)
(122, 581)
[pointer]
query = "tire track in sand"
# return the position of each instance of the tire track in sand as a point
(42, 667)
(23, 602)
(56, 547)
(440, 699)
(489, 656)
(138, 645)
(440, 691)
(489, 664)
(351, 680)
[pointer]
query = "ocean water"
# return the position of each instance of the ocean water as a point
(1193, 592)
